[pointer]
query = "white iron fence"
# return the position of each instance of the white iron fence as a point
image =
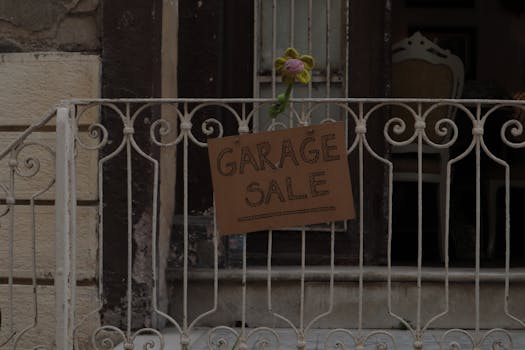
(460, 147)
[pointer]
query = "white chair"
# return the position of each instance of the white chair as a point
(421, 69)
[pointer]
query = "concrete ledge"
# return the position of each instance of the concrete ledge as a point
(351, 274)
(315, 339)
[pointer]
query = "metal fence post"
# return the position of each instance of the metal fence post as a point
(65, 204)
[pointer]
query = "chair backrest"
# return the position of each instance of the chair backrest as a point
(421, 69)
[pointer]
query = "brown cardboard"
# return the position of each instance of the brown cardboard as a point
(281, 178)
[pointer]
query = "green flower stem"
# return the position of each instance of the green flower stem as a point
(288, 92)
(282, 102)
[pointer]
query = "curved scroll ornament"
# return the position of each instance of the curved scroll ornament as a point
(28, 166)
(497, 338)
(96, 131)
(150, 344)
(113, 336)
(515, 128)
(106, 337)
(343, 339)
(397, 125)
(263, 338)
(226, 338)
(162, 128)
(222, 338)
(208, 129)
(444, 128)
(209, 126)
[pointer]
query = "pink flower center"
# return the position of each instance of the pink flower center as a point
(294, 66)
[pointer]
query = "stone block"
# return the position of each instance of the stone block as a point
(77, 34)
(26, 14)
(32, 83)
(86, 244)
(43, 332)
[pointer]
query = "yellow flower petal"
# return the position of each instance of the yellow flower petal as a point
(291, 53)
(279, 63)
(304, 76)
(308, 61)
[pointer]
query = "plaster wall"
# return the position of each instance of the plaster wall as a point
(33, 83)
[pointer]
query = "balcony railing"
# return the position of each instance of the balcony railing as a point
(97, 185)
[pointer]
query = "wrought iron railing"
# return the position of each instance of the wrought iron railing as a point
(476, 143)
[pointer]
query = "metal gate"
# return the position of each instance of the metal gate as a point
(332, 306)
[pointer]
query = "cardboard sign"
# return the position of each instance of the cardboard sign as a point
(282, 178)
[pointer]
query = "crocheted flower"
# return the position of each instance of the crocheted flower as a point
(293, 67)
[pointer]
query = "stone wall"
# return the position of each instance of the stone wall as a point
(48, 52)
(32, 83)
(49, 25)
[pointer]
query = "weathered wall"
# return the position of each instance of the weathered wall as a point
(49, 25)
(131, 52)
(32, 83)
(35, 77)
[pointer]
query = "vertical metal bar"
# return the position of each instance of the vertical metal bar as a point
(274, 45)
(33, 263)
(215, 259)
(389, 247)
(129, 178)
(100, 171)
(347, 45)
(269, 271)
(73, 228)
(11, 243)
(507, 239)
(303, 269)
(309, 35)
(255, 48)
(419, 216)
(478, 218)
(328, 65)
(292, 22)
(243, 309)
(361, 227)
(154, 244)
(65, 199)
(256, 58)
(447, 236)
(332, 265)
(186, 240)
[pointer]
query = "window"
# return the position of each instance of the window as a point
(319, 28)
(222, 35)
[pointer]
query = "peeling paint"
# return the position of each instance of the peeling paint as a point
(142, 252)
